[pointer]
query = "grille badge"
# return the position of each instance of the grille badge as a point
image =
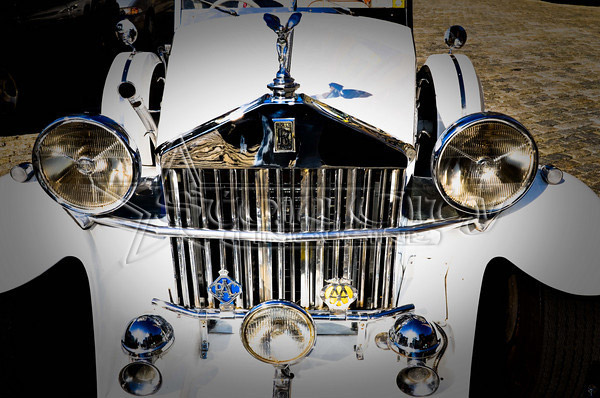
(339, 294)
(225, 289)
(285, 140)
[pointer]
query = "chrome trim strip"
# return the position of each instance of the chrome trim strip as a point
(210, 313)
(295, 237)
(127, 66)
(461, 83)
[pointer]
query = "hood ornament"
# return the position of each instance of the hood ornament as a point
(283, 85)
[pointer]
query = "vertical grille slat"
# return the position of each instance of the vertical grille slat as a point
(339, 181)
(263, 216)
(237, 252)
(320, 254)
(206, 243)
(305, 226)
(285, 201)
(247, 218)
(192, 216)
(349, 223)
(390, 242)
(281, 221)
(366, 205)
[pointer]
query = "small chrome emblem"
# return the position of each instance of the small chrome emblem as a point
(339, 294)
(285, 135)
(224, 288)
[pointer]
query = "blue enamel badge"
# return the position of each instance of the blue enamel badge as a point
(225, 289)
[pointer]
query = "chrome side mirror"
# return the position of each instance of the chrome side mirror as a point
(455, 37)
(126, 32)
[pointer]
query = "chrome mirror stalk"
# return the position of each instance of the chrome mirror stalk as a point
(128, 91)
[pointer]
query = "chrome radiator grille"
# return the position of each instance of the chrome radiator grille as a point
(287, 201)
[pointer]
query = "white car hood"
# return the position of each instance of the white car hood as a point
(220, 64)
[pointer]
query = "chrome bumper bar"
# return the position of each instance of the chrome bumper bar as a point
(211, 313)
(277, 237)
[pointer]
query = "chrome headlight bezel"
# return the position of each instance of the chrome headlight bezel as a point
(281, 304)
(456, 129)
(111, 127)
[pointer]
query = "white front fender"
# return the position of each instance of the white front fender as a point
(35, 233)
(552, 235)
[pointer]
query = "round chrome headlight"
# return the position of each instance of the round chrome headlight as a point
(87, 164)
(278, 332)
(484, 163)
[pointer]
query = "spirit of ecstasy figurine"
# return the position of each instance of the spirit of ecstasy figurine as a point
(283, 85)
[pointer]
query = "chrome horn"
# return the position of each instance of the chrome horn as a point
(146, 339)
(418, 380)
(412, 336)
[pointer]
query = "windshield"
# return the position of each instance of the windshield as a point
(193, 11)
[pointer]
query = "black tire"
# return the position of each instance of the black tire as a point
(532, 340)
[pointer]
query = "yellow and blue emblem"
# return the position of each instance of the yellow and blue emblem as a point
(338, 294)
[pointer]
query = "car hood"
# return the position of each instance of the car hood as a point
(360, 66)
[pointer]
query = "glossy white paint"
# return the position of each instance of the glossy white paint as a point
(113, 106)
(447, 88)
(551, 234)
(221, 64)
(554, 243)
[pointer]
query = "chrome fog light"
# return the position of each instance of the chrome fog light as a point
(414, 337)
(87, 164)
(484, 163)
(140, 378)
(278, 332)
(147, 336)
(418, 381)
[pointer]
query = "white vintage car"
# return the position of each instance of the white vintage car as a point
(362, 228)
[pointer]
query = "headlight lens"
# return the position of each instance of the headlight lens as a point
(86, 163)
(484, 163)
(278, 332)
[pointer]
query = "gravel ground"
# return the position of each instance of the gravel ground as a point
(538, 62)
